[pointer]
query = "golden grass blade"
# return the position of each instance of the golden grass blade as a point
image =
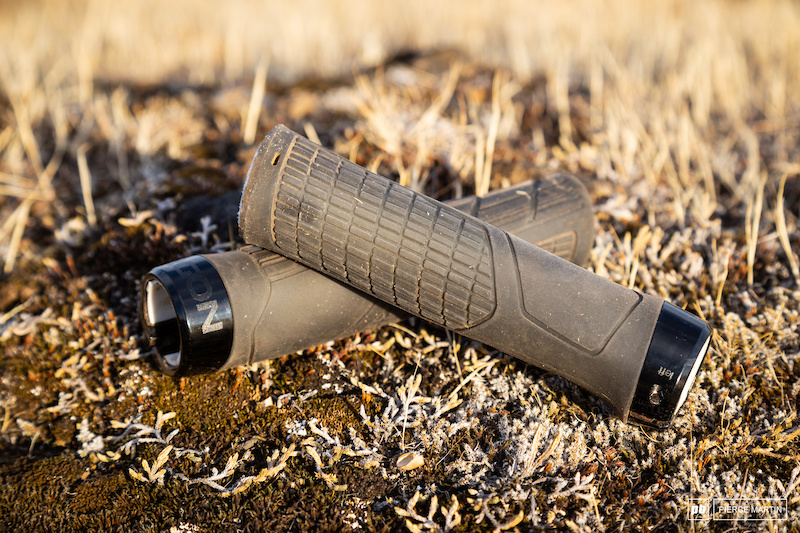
(752, 226)
(256, 100)
(482, 186)
(6, 136)
(86, 185)
(311, 133)
(20, 218)
(26, 135)
(783, 233)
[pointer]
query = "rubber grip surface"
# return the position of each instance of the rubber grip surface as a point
(554, 213)
(427, 259)
(433, 261)
(281, 306)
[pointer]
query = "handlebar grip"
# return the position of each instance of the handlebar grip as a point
(216, 311)
(454, 270)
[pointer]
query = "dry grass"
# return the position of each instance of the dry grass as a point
(684, 117)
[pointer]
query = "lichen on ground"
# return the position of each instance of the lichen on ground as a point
(685, 134)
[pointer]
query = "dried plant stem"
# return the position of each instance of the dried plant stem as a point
(86, 185)
(26, 136)
(482, 185)
(404, 177)
(5, 137)
(558, 87)
(20, 218)
(20, 191)
(311, 133)
(783, 234)
(256, 99)
(480, 158)
(437, 107)
(723, 277)
(752, 225)
(596, 93)
(16, 186)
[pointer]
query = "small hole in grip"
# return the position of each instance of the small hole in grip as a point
(275, 159)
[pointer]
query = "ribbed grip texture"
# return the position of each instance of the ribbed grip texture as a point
(385, 240)
(279, 267)
(560, 203)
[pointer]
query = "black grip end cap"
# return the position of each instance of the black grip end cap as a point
(186, 314)
(677, 348)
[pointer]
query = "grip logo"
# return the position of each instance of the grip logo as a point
(208, 325)
(201, 290)
(666, 372)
